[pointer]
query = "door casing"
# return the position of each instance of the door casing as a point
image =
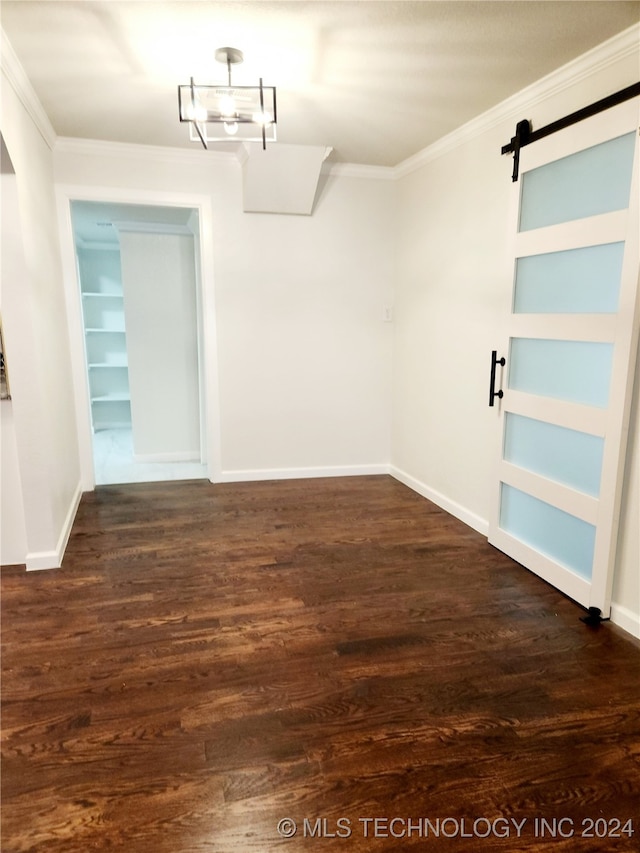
(209, 383)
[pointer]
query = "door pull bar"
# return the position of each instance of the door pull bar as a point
(492, 382)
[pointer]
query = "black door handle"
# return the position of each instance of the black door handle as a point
(492, 382)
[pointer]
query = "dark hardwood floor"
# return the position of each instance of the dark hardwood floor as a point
(211, 660)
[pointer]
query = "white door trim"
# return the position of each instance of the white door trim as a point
(209, 381)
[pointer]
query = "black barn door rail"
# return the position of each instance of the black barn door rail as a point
(525, 136)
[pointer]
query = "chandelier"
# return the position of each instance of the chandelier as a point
(218, 113)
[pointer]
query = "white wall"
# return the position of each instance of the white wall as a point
(159, 285)
(453, 221)
(451, 247)
(626, 586)
(13, 535)
(35, 327)
(304, 354)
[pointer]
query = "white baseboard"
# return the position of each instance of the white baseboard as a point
(178, 456)
(626, 619)
(248, 475)
(453, 508)
(38, 561)
(41, 560)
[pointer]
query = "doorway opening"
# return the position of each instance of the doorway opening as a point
(138, 272)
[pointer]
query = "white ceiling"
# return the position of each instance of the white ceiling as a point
(378, 81)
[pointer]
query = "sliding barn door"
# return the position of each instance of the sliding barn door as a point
(570, 354)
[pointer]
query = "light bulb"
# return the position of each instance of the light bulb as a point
(231, 127)
(262, 118)
(196, 112)
(227, 106)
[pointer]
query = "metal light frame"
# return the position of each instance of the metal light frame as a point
(202, 105)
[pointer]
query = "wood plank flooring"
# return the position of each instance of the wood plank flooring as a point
(211, 660)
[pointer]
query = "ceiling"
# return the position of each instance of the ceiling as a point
(378, 81)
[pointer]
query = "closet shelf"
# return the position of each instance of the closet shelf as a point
(108, 364)
(115, 397)
(105, 337)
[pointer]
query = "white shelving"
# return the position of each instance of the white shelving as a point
(105, 338)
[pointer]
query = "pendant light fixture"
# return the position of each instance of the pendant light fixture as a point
(219, 113)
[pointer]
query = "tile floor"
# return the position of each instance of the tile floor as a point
(114, 463)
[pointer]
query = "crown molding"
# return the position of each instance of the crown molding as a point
(155, 153)
(184, 156)
(357, 170)
(615, 49)
(17, 78)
